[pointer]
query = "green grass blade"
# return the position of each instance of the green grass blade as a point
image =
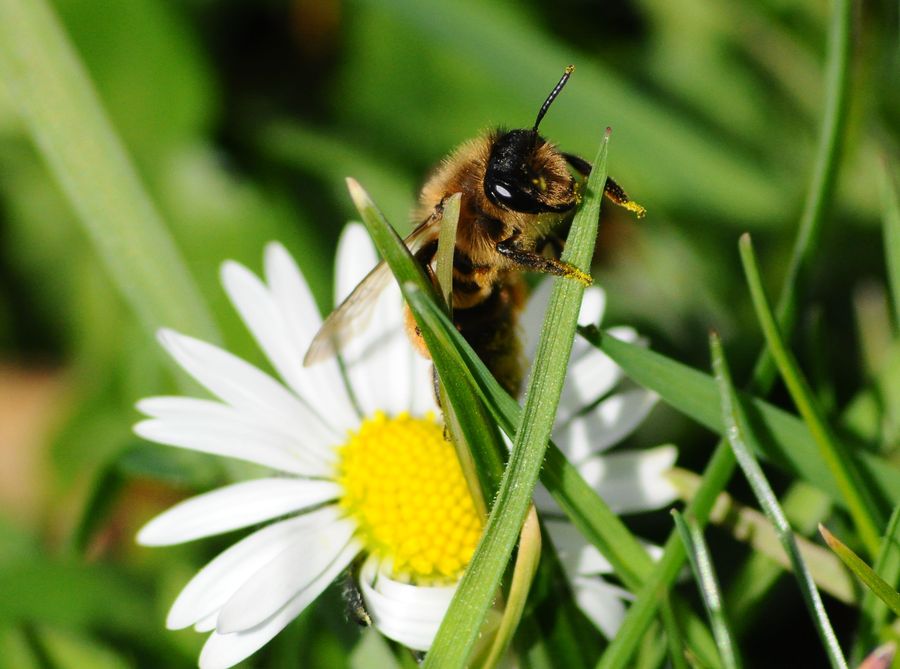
(877, 585)
(736, 429)
(673, 632)
(788, 443)
(707, 583)
(470, 604)
(446, 247)
(74, 136)
(891, 217)
(873, 611)
(863, 508)
(749, 526)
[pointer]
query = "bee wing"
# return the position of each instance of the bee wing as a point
(352, 315)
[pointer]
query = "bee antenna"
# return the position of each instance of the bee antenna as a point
(552, 96)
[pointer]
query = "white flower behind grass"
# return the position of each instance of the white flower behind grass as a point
(367, 475)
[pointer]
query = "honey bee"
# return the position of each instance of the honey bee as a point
(517, 190)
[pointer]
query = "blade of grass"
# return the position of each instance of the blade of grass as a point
(73, 134)
(446, 247)
(805, 507)
(788, 443)
(707, 584)
(737, 428)
(527, 559)
(459, 629)
(877, 585)
(753, 528)
(482, 478)
(673, 633)
(891, 224)
(855, 493)
(874, 612)
(821, 188)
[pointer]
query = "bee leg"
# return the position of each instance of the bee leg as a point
(612, 190)
(535, 262)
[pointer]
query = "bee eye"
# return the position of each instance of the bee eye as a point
(502, 192)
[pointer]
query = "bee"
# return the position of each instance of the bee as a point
(518, 190)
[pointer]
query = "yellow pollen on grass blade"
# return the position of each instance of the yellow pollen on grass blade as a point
(404, 486)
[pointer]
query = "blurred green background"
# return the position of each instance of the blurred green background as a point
(243, 118)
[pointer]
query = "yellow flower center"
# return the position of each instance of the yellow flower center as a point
(404, 486)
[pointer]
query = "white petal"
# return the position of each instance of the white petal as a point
(235, 506)
(245, 387)
(248, 443)
(605, 425)
(260, 313)
(378, 360)
(207, 624)
(633, 481)
(226, 650)
(533, 317)
(578, 557)
(355, 258)
(245, 429)
(587, 380)
(213, 585)
(593, 304)
(299, 564)
(321, 384)
(601, 602)
(408, 614)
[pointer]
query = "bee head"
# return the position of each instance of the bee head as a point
(527, 174)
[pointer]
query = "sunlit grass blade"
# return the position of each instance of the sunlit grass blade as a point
(73, 134)
(707, 583)
(855, 493)
(459, 630)
(873, 612)
(753, 528)
(674, 639)
(527, 559)
(891, 225)
(877, 585)
(446, 247)
(788, 443)
(736, 428)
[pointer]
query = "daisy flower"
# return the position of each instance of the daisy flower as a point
(360, 478)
